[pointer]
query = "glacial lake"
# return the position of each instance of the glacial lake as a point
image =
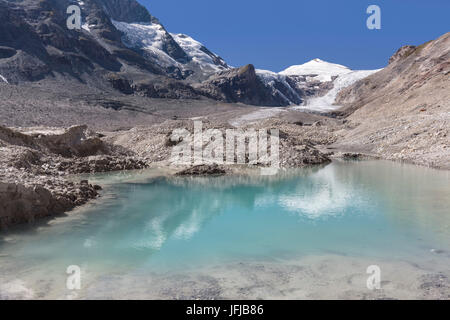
(146, 225)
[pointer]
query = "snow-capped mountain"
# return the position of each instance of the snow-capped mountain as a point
(313, 85)
(123, 48)
(317, 69)
(152, 38)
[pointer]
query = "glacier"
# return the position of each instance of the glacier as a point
(309, 76)
(326, 102)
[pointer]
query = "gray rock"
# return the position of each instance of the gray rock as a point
(240, 85)
(203, 170)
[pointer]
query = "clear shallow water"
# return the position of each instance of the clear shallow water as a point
(373, 209)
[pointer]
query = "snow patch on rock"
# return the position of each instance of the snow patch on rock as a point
(270, 79)
(149, 37)
(85, 26)
(199, 54)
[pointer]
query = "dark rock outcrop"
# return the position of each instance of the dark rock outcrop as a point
(126, 11)
(203, 170)
(101, 163)
(239, 85)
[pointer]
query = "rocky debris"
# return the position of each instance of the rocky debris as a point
(27, 159)
(24, 197)
(100, 164)
(74, 150)
(351, 156)
(295, 154)
(304, 156)
(11, 136)
(435, 286)
(34, 163)
(299, 145)
(203, 170)
(74, 141)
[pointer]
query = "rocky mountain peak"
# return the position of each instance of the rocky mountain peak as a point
(240, 85)
(247, 70)
(126, 11)
(402, 53)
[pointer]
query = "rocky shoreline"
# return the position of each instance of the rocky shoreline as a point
(37, 163)
(26, 202)
(35, 166)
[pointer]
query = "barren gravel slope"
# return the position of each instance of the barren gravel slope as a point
(403, 111)
(49, 104)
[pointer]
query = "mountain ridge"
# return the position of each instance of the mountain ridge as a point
(402, 112)
(122, 47)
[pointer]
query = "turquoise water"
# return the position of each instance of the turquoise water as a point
(367, 209)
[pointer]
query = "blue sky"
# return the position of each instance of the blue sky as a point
(274, 34)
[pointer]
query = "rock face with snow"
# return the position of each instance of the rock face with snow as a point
(179, 54)
(116, 35)
(207, 61)
(282, 87)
